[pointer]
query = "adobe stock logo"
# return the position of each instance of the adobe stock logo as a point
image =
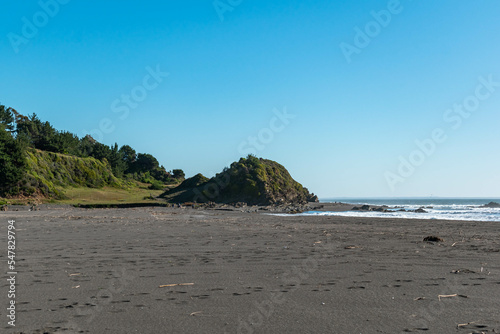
(30, 28)
(222, 6)
(371, 30)
(127, 102)
(428, 146)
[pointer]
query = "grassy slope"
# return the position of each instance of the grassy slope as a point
(60, 178)
(109, 195)
(105, 195)
(50, 173)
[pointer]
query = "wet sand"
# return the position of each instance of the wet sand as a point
(100, 271)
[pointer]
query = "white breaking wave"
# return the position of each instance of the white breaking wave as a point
(444, 212)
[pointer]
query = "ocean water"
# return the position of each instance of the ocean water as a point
(442, 208)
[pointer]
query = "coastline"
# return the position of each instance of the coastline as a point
(100, 270)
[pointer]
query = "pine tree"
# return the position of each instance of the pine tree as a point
(12, 162)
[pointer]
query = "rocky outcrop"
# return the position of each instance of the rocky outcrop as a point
(250, 180)
(187, 191)
(492, 205)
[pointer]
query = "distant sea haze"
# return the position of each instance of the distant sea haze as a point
(437, 208)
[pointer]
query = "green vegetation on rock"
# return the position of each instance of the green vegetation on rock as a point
(187, 190)
(250, 180)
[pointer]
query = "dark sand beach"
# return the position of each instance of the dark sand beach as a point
(100, 271)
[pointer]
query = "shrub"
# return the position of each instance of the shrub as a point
(156, 185)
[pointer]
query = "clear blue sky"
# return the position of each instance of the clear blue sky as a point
(354, 115)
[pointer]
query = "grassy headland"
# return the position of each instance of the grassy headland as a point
(41, 164)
